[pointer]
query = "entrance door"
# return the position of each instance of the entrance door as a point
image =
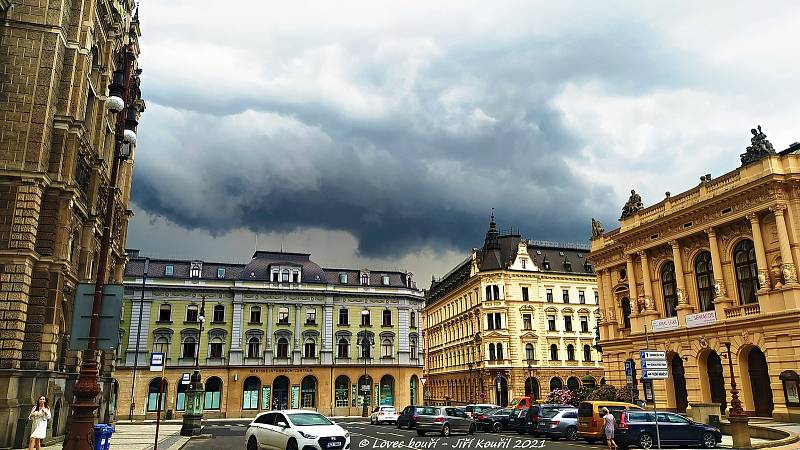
(280, 393)
(679, 384)
(501, 391)
(759, 382)
(716, 381)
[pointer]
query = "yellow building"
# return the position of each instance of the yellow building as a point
(515, 318)
(713, 265)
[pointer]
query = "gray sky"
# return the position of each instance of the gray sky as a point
(381, 134)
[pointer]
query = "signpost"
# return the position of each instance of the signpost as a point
(654, 367)
(157, 364)
(185, 378)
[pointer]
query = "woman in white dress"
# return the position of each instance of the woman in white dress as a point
(39, 416)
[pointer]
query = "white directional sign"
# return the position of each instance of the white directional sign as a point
(156, 362)
(657, 364)
(647, 354)
(648, 374)
(185, 378)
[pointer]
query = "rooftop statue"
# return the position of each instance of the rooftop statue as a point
(633, 205)
(759, 147)
(597, 228)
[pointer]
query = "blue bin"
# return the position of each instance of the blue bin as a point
(102, 436)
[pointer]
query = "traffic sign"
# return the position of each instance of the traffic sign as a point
(423, 380)
(156, 362)
(629, 372)
(185, 378)
(647, 354)
(658, 364)
(365, 387)
(648, 374)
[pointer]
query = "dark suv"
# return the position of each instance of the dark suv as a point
(409, 417)
(528, 419)
(639, 428)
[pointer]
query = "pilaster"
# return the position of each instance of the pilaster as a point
(237, 325)
(684, 305)
(761, 256)
(787, 261)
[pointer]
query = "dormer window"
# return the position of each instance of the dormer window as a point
(169, 270)
(546, 263)
(385, 280)
(221, 272)
(285, 276)
(523, 262)
(364, 279)
(567, 265)
(195, 271)
(296, 276)
(343, 278)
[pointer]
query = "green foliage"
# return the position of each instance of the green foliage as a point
(610, 393)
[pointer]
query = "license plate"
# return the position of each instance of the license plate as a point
(334, 444)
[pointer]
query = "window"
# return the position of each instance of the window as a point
(498, 321)
(492, 352)
(364, 345)
(549, 295)
(500, 351)
(189, 347)
(386, 348)
(565, 295)
(413, 320)
(364, 279)
(253, 347)
(295, 276)
(523, 262)
(744, 257)
(195, 271)
(164, 313)
(385, 280)
(496, 292)
(553, 352)
(219, 313)
(669, 289)
(161, 345)
(213, 393)
(584, 324)
(250, 393)
(169, 270)
(582, 297)
(343, 348)
(191, 313)
(284, 276)
(529, 354)
(387, 318)
(283, 316)
(704, 275)
(344, 317)
(343, 279)
(365, 322)
(156, 386)
(413, 348)
(275, 276)
(215, 348)
(255, 314)
(311, 316)
(596, 298)
(525, 297)
(551, 322)
(283, 348)
(527, 324)
(221, 272)
(546, 263)
(310, 348)
(567, 323)
(626, 312)
(342, 392)
(571, 352)
(587, 353)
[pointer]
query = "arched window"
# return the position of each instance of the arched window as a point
(556, 383)
(492, 353)
(189, 347)
(152, 394)
(250, 393)
(704, 274)
(669, 290)
(553, 352)
(529, 354)
(253, 347)
(161, 345)
(283, 348)
(342, 392)
(308, 392)
(219, 313)
(488, 293)
(386, 348)
(500, 351)
(744, 257)
(213, 393)
(364, 279)
(414, 387)
(387, 390)
(216, 347)
(573, 384)
(587, 353)
(343, 348)
(626, 312)
(310, 348)
(413, 348)
(571, 352)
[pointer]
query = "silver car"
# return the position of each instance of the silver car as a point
(444, 420)
(559, 423)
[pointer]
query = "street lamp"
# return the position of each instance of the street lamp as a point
(740, 431)
(123, 93)
(365, 352)
(195, 394)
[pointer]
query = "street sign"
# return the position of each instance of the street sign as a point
(648, 374)
(185, 378)
(365, 387)
(647, 354)
(658, 364)
(156, 362)
(110, 312)
(423, 380)
(629, 372)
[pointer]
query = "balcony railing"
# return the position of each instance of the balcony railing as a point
(744, 310)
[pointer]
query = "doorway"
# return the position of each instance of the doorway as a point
(716, 381)
(501, 391)
(759, 382)
(280, 393)
(679, 384)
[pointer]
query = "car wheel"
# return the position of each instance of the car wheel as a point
(445, 430)
(645, 441)
(252, 443)
(497, 427)
(472, 429)
(571, 434)
(291, 445)
(420, 432)
(709, 441)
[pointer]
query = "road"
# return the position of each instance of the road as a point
(230, 435)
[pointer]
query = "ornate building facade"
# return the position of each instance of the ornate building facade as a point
(707, 268)
(279, 332)
(517, 317)
(56, 150)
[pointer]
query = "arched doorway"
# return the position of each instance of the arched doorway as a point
(180, 398)
(213, 393)
(57, 418)
(532, 388)
(760, 383)
(679, 384)
(308, 392)
(153, 393)
(364, 395)
(414, 388)
(342, 392)
(573, 384)
(250, 393)
(556, 383)
(716, 381)
(501, 390)
(280, 393)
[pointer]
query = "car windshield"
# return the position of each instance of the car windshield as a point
(429, 411)
(387, 409)
(550, 413)
(309, 419)
(488, 411)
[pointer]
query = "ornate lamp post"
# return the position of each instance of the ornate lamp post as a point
(195, 394)
(124, 100)
(736, 415)
(365, 351)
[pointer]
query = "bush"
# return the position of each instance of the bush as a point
(610, 393)
(562, 396)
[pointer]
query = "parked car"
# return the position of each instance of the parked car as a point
(444, 420)
(559, 423)
(528, 420)
(495, 420)
(408, 417)
(383, 414)
(474, 409)
(639, 428)
(590, 422)
(295, 429)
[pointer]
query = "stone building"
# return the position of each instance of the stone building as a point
(56, 147)
(713, 265)
(517, 317)
(279, 332)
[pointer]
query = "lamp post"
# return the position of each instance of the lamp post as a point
(740, 431)
(195, 394)
(365, 346)
(124, 95)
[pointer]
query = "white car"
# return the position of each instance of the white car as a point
(383, 414)
(295, 429)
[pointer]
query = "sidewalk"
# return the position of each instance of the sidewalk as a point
(142, 436)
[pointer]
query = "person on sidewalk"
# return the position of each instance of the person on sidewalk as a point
(39, 416)
(608, 427)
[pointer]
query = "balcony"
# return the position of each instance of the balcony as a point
(744, 310)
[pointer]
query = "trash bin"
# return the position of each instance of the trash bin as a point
(102, 436)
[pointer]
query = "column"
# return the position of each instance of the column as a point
(721, 299)
(634, 296)
(268, 338)
(649, 301)
(787, 262)
(610, 303)
(237, 325)
(761, 256)
(684, 306)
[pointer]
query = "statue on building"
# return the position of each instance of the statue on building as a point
(597, 228)
(759, 147)
(640, 304)
(681, 300)
(633, 205)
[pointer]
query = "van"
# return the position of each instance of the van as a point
(590, 422)
(521, 403)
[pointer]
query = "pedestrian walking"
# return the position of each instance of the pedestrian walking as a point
(39, 416)
(608, 426)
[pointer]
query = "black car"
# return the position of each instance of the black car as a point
(527, 421)
(638, 428)
(409, 417)
(494, 420)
